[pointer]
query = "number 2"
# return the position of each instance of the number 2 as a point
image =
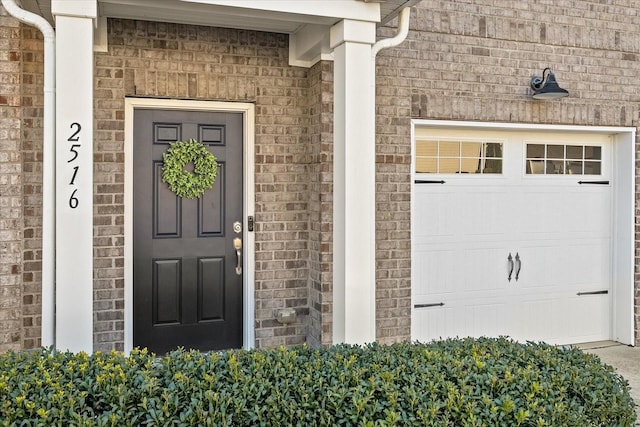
(75, 137)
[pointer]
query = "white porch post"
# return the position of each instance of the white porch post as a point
(354, 305)
(74, 173)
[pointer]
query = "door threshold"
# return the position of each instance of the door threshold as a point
(597, 344)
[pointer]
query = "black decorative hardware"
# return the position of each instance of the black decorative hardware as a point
(518, 265)
(510, 260)
(594, 182)
(428, 181)
(439, 304)
(593, 293)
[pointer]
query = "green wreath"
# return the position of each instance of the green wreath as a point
(182, 182)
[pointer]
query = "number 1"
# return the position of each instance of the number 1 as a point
(75, 172)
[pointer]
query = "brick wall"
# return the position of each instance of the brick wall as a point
(179, 61)
(461, 61)
(473, 61)
(32, 100)
(11, 219)
(320, 203)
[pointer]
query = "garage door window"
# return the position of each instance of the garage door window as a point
(458, 157)
(558, 159)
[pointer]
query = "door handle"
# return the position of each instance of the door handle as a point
(237, 245)
(510, 261)
(518, 265)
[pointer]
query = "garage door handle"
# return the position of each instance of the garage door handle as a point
(518, 266)
(510, 261)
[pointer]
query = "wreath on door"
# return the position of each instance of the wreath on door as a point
(185, 183)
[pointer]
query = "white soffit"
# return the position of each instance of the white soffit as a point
(318, 10)
(280, 16)
(389, 9)
(39, 7)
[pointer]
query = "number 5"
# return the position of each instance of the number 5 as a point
(74, 151)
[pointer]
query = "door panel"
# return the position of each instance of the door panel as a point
(186, 289)
(211, 289)
(465, 228)
(166, 291)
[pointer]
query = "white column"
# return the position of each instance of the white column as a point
(74, 174)
(354, 305)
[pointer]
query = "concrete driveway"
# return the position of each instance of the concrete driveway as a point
(625, 360)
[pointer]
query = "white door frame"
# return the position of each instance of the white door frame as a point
(623, 207)
(248, 110)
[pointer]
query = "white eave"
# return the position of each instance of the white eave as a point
(306, 21)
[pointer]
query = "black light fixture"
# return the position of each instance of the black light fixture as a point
(546, 87)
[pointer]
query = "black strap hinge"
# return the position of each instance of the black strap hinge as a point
(594, 182)
(428, 181)
(438, 304)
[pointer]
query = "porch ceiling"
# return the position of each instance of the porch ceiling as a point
(281, 16)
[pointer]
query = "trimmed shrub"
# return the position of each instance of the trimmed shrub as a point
(460, 382)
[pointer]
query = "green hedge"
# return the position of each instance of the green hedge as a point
(483, 382)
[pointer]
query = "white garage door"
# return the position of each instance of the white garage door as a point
(512, 236)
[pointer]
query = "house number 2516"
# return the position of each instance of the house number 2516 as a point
(74, 139)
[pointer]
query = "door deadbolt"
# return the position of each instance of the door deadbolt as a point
(237, 227)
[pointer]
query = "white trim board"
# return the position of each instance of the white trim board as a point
(623, 206)
(248, 331)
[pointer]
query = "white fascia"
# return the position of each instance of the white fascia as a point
(77, 8)
(338, 9)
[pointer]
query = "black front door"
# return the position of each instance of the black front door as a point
(187, 287)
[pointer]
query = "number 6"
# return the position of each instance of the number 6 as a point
(73, 200)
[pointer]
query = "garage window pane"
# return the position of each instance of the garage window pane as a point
(426, 165)
(471, 157)
(492, 149)
(535, 167)
(458, 157)
(535, 151)
(558, 159)
(492, 154)
(555, 167)
(426, 148)
(449, 149)
(471, 149)
(555, 151)
(593, 153)
(592, 168)
(574, 168)
(574, 152)
(492, 166)
(447, 165)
